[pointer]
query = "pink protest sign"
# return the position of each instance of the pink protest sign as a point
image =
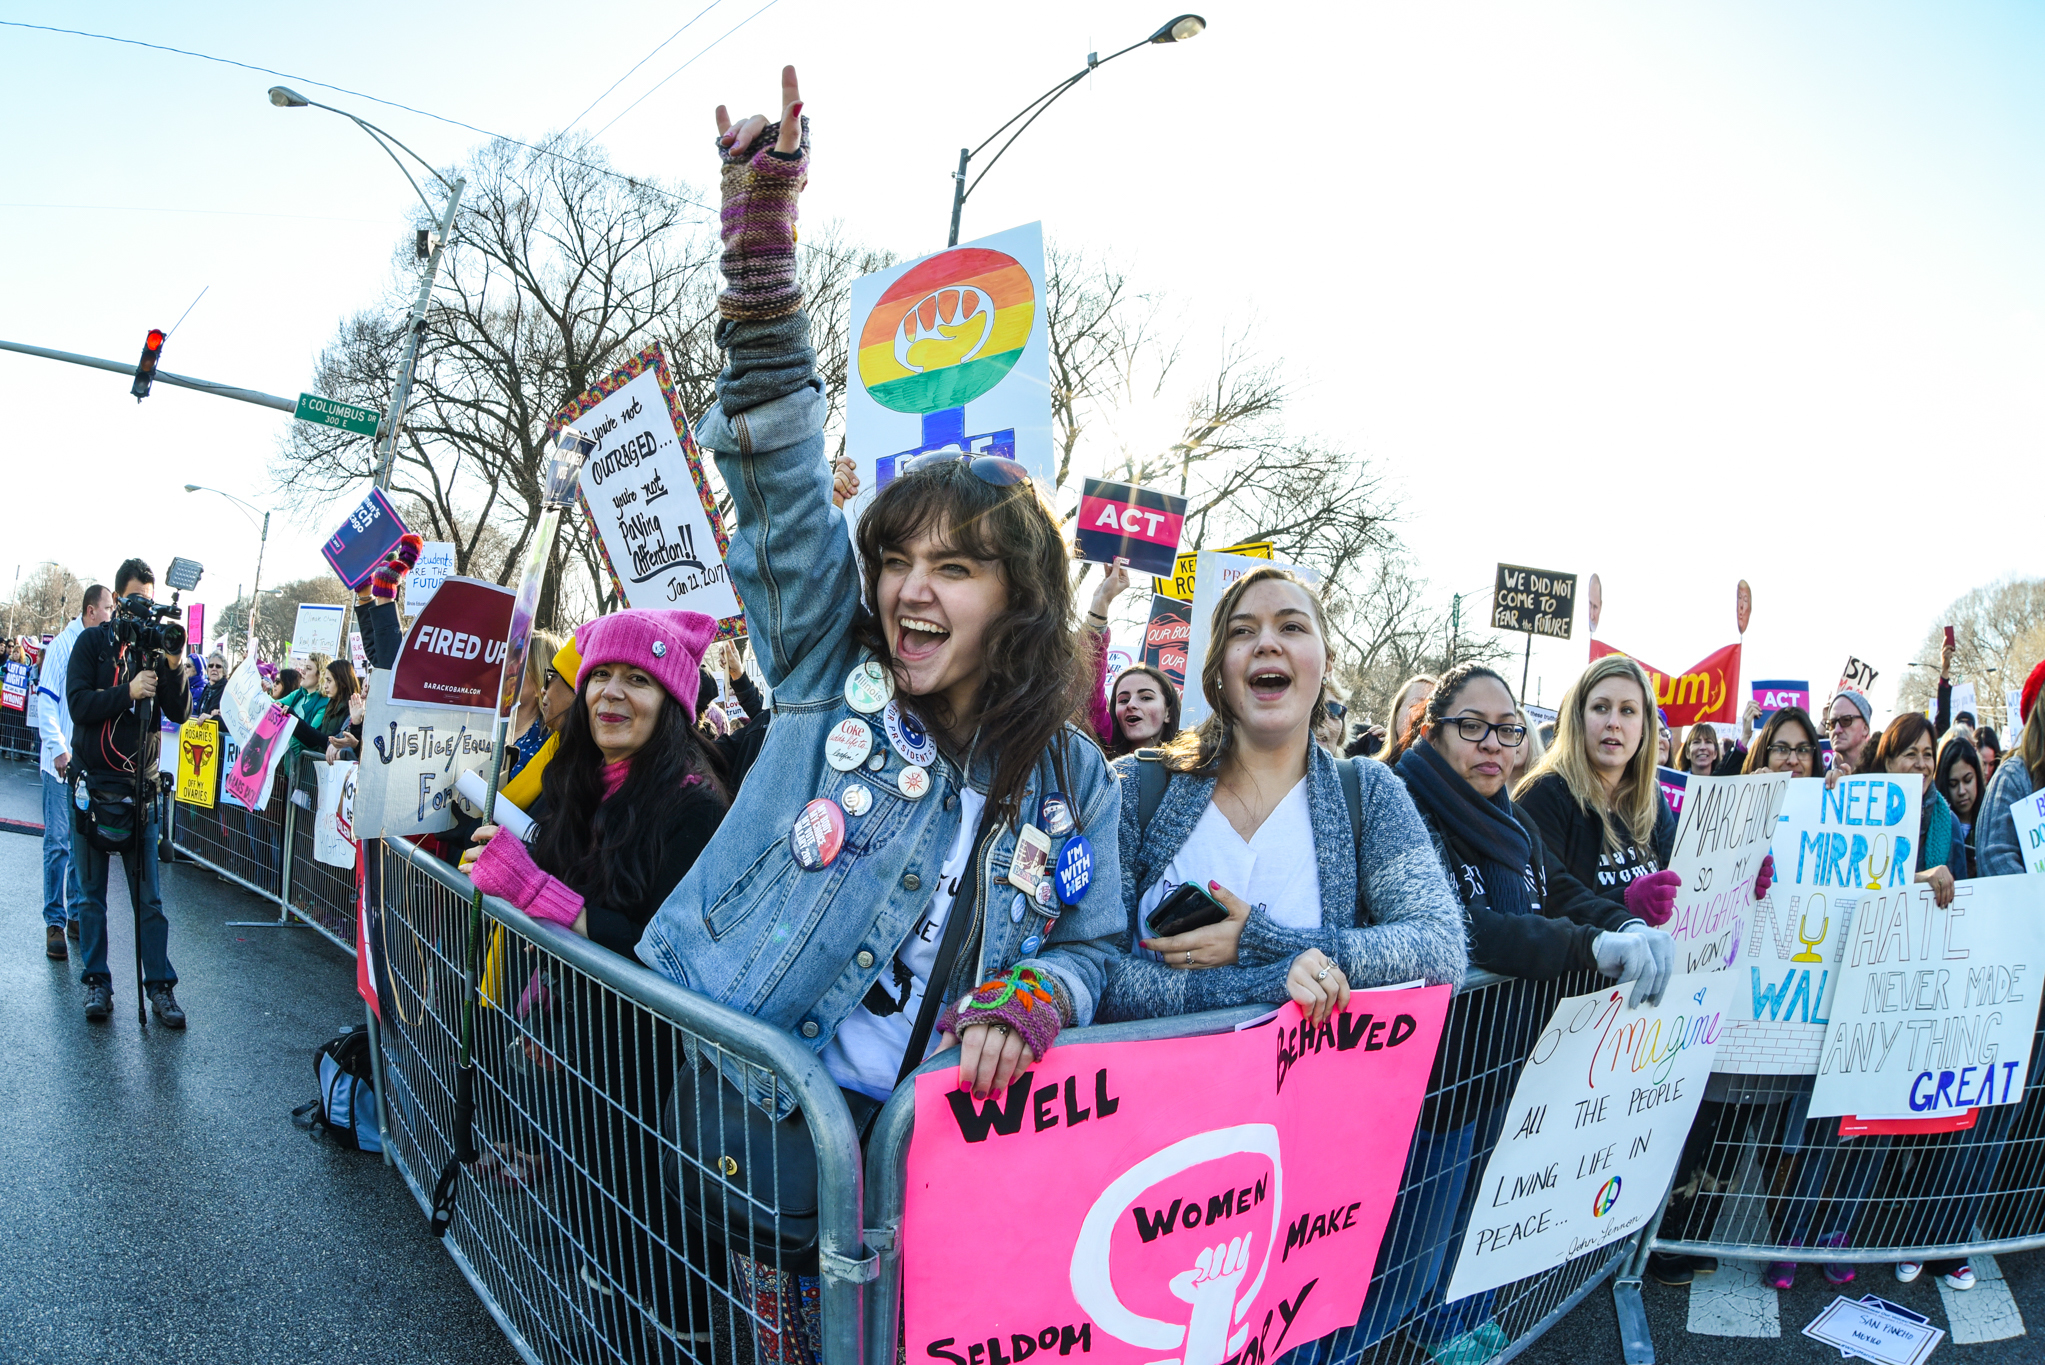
(248, 778)
(1177, 1202)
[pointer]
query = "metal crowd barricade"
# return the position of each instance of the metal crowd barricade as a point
(608, 1219)
(1491, 1027)
(18, 738)
(269, 852)
(1761, 1181)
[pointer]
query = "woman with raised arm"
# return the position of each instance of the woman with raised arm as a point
(924, 855)
(1311, 893)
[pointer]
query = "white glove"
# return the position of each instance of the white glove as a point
(1644, 956)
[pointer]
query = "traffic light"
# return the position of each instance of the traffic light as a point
(145, 368)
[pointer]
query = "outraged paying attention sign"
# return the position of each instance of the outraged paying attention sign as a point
(1593, 1131)
(1120, 522)
(1186, 1200)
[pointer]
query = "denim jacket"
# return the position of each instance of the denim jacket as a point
(799, 949)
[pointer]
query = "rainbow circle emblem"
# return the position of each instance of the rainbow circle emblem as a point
(948, 331)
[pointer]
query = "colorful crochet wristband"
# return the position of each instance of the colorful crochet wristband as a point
(1019, 999)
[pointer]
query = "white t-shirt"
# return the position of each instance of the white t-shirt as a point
(1275, 868)
(866, 1052)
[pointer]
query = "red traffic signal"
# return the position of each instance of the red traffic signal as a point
(145, 368)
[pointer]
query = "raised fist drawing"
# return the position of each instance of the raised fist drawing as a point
(1210, 1286)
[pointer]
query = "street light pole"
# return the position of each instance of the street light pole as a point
(248, 510)
(415, 324)
(1175, 30)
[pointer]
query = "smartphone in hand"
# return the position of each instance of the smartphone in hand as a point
(1189, 907)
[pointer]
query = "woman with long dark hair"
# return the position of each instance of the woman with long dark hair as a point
(923, 853)
(633, 794)
(1788, 744)
(1319, 896)
(1145, 708)
(1961, 783)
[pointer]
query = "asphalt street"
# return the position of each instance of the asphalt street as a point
(156, 1202)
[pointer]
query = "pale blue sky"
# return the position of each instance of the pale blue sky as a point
(1578, 276)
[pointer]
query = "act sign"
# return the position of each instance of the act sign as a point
(1533, 601)
(325, 412)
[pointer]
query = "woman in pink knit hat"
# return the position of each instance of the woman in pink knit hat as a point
(634, 792)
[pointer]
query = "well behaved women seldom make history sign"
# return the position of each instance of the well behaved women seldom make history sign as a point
(1174, 1202)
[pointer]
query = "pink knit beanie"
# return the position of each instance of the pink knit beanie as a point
(668, 645)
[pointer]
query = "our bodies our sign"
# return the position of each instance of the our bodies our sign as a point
(453, 655)
(1127, 524)
(1936, 1007)
(1214, 571)
(1595, 1127)
(644, 492)
(951, 352)
(1707, 690)
(1166, 636)
(1168, 1223)
(1828, 847)
(2029, 814)
(1533, 601)
(1722, 835)
(412, 756)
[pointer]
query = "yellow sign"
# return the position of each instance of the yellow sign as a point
(198, 762)
(1180, 584)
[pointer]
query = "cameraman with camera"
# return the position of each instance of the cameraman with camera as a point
(120, 678)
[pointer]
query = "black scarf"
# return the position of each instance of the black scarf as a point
(1480, 831)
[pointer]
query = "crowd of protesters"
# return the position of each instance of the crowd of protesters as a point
(1020, 844)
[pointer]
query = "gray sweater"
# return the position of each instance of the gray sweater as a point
(1996, 850)
(1406, 926)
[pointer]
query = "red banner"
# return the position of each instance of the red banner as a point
(1707, 690)
(454, 652)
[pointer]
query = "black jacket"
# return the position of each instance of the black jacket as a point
(1555, 939)
(692, 818)
(103, 727)
(1575, 840)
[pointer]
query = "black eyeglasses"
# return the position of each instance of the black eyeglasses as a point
(995, 469)
(1786, 751)
(1475, 729)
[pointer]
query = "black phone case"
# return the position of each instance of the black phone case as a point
(1187, 908)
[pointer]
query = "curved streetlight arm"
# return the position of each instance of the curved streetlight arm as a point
(248, 509)
(375, 131)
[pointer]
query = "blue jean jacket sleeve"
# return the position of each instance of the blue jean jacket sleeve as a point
(1087, 937)
(2001, 854)
(790, 558)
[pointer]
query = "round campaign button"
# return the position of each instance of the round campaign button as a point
(1075, 869)
(856, 799)
(1046, 894)
(848, 744)
(913, 781)
(1016, 908)
(908, 736)
(868, 688)
(1031, 944)
(1054, 815)
(818, 834)
(878, 761)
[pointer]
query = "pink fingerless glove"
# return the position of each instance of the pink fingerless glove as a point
(757, 223)
(1766, 877)
(506, 869)
(1020, 999)
(1653, 897)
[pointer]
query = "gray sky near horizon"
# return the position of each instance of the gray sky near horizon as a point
(1676, 294)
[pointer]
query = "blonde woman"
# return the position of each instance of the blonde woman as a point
(529, 717)
(1594, 795)
(1529, 755)
(1409, 703)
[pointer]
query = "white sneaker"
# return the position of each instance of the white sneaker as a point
(1963, 1278)
(1906, 1271)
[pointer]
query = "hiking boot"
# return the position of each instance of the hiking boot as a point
(99, 1001)
(71, 930)
(53, 944)
(165, 1003)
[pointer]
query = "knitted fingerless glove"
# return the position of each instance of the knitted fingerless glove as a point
(757, 223)
(505, 868)
(383, 584)
(1019, 998)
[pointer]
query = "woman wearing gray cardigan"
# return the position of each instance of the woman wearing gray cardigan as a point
(1254, 813)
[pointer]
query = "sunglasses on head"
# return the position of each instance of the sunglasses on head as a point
(994, 469)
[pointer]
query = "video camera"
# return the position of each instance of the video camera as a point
(147, 628)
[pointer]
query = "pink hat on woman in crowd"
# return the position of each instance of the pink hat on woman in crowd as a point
(668, 645)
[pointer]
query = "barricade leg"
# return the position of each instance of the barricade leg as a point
(1636, 1342)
